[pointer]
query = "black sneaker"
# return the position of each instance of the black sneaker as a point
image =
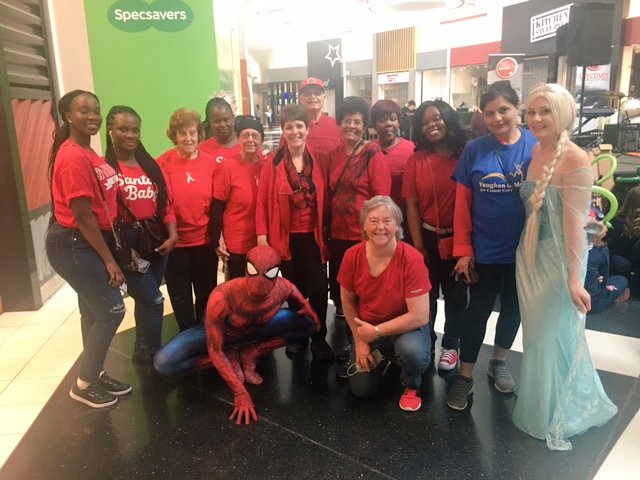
(94, 395)
(113, 386)
(339, 312)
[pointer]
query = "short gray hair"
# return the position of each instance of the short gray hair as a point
(380, 201)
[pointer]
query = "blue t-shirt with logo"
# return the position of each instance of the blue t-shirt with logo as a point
(497, 212)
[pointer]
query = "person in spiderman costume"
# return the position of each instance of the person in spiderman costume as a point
(244, 320)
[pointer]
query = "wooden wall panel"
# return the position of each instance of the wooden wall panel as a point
(396, 50)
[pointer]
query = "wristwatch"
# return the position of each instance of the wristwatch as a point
(378, 332)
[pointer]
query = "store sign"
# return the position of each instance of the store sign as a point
(545, 24)
(506, 66)
(598, 78)
(138, 15)
(386, 78)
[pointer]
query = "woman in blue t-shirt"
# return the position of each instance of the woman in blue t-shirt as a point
(488, 219)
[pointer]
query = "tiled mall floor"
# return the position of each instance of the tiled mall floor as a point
(37, 350)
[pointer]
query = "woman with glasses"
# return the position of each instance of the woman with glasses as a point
(290, 219)
(357, 172)
(233, 209)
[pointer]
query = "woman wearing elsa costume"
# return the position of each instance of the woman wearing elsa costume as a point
(559, 393)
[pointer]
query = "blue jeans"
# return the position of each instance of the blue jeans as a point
(414, 354)
(101, 307)
(144, 288)
(184, 350)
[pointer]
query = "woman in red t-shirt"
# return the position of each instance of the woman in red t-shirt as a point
(83, 189)
(385, 295)
(233, 210)
(221, 139)
(193, 265)
(357, 172)
(144, 193)
(385, 117)
(429, 192)
(290, 218)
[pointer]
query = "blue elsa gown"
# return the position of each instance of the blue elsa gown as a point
(559, 393)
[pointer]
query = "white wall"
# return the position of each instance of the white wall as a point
(71, 59)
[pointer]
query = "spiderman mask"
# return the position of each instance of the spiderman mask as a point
(263, 266)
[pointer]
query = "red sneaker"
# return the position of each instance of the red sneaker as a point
(410, 401)
(448, 359)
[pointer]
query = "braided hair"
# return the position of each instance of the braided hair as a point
(144, 159)
(62, 132)
(563, 110)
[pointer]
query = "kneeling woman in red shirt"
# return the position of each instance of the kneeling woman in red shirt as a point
(233, 210)
(290, 218)
(384, 285)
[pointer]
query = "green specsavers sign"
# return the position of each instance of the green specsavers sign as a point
(137, 15)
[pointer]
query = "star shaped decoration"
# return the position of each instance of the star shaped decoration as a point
(334, 55)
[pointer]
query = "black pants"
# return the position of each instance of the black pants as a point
(236, 265)
(338, 248)
(455, 294)
(191, 270)
(497, 279)
(307, 272)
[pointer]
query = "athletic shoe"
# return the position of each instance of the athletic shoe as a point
(410, 401)
(461, 389)
(339, 312)
(113, 386)
(321, 350)
(94, 395)
(502, 379)
(448, 359)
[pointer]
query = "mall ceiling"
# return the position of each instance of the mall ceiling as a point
(270, 23)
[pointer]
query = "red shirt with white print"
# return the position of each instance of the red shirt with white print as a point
(74, 177)
(140, 193)
(191, 183)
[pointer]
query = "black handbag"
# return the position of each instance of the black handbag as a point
(151, 231)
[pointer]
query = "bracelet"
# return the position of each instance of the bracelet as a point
(378, 332)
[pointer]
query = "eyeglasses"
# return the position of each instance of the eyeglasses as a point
(350, 123)
(252, 136)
